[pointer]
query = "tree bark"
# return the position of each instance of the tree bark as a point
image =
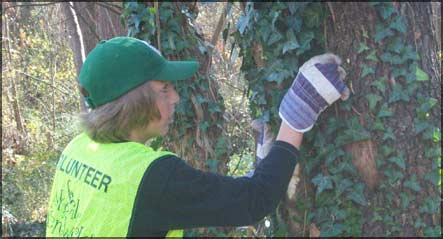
(88, 23)
(344, 35)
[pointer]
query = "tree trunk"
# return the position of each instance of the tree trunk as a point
(197, 133)
(88, 23)
(356, 23)
(374, 159)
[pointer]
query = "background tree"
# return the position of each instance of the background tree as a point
(88, 23)
(198, 133)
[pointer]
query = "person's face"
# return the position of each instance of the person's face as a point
(166, 100)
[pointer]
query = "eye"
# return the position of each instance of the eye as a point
(165, 88)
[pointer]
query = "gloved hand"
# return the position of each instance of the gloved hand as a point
(318, 84)
(264, 141)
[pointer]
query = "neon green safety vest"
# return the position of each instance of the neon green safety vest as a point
(95, 187)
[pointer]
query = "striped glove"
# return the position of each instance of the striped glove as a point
(318, 84)
(264, 142)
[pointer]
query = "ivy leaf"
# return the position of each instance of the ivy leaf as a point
(204, 125)
(388, 135)
(412, 183)
(387, 150)
(372, 100)
(378, 125)
(433, 177)
(381, 32)
(427, 105)
(399, 161)
(363, 47)
(334, 155)
(380, 83)
(292, 43)
(372, 56)
(432, 231)
(355, 131)
(398, 71)
(430, 205)
(365, 33)
(392, 58)
(274, 15)
(322, 182)
(305, 40)
(385, 111)
(343, 185)
(398, 24)
(357, 195)
(243, 21)
(421, 75)
(275, 77)
(344, 166)
(386, 10)
(393, 175)
(396, 45)
(398, 93)
(332, 230)
(367, 70)
(406, 198)
(408, 53)
(274, 37)
(420, 125)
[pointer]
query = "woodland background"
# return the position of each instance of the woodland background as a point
(371, 166)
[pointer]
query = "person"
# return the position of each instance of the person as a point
(108, 183)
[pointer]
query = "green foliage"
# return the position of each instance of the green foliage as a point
(176, 43)
(287, 33)
(322, 182)
(338, 192)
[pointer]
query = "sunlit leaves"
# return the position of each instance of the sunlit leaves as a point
(372, 56)
(421, 75)
(362, 47)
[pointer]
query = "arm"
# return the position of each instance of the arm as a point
(173, 195)
(290, 136)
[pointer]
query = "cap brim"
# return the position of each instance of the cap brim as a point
(177, 70)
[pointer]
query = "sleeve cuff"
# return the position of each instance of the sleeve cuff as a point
(288, 147)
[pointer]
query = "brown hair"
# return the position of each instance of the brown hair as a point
(113, 121)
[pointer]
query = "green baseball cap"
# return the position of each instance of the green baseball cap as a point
(118, 65)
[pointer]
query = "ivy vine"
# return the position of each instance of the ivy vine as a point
(274, 38)
(165, 27)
